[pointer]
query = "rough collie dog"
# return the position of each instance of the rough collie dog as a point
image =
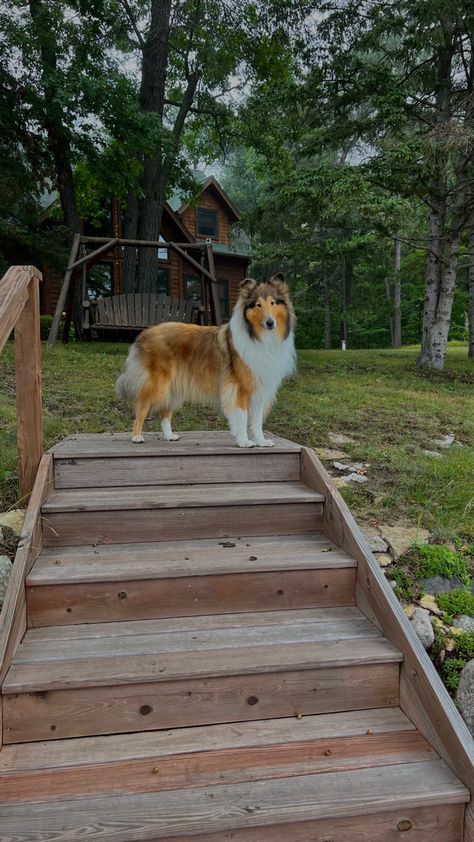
(239, 365)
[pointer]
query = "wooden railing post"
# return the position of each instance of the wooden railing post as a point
(28, 389)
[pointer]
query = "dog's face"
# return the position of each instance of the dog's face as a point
(267, 308)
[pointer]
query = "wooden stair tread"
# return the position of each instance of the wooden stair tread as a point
(205, 810)
(87, 445)
(204, 557)
(85, 751)
(179, 496)
(236, 648)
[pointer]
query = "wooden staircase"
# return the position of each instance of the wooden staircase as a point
(206, 651)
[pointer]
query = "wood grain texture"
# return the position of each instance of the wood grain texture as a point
(157, 773)
(208, 557)
(29, 418)
(423, 695)
(443, 824)
(94, 602)
(77, 528)
(153, 470)
(210, 442)
(13, 615)
(59, 714)
(14, 291)
(121, 669)
(178, 496)
(224, 808)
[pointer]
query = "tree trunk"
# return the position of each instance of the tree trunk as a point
(470, 350)
(327, 311)
(397, 314)
(344, 331)
(130, 232)
(57, 133)
(152, 100)
(388, 295)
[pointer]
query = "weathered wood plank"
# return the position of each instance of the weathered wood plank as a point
(168, 771)
(178, 496)
(423, 695)
(99, 471)
(91, 602)
(28, 388)
(119, 444)
(249, 805)
(13, 615)
(58, 714)
(205, 557)
(162, 666)
(75, 528)
(14, 291)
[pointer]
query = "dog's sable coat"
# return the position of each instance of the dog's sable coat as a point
(239, 365)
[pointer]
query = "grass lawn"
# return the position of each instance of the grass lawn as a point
(377, 397)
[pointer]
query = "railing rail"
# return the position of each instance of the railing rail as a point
(19, 310)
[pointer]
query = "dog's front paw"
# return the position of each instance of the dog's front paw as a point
(264, 443)
(172, 437)
(138, 439)
(246, 443)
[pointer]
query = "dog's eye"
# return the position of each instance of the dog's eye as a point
(272, 303)
(258, 305)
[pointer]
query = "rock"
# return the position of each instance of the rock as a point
(439, 624)
(355, 478)
(464, 622)
(393, 584)
(374, 539)
(409, 611)
(339, 466)
(440, 584)
(465, 695)
(338, 481)
(5, 571)
(430, 604)
(384, 559)
(444, 441)
(433, 453)
(449, 644)
(401, 538)
(13, 519)
(340, 438)
(354, 468)
(422, 627)
(326, 454)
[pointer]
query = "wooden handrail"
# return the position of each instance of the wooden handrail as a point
(19, 310)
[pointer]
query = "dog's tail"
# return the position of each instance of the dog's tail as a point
(133, 377)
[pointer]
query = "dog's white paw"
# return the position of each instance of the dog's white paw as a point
(264, 443)
(246, 443)
(172, 437)
(138, 439)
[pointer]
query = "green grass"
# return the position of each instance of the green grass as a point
(456, 602)
(378, 397)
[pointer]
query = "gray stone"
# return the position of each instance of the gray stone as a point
(444, 441)
(421, 624)
(355, 478)
(5, 572)
(435, 585)
(433, 453)
(464, 622)
(393, 584)
(400, 538)
(465, 695)
(374, 539)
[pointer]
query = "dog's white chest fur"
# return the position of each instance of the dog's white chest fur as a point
(269, 359)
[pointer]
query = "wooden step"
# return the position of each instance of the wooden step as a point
(159, 513)
(154, 761)
(376, 804)
(138, 581)
(95, 461)
(149, 674)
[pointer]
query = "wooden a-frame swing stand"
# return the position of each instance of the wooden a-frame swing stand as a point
(80, 263)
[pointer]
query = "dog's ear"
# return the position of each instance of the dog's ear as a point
(279, 282)
(247, 286)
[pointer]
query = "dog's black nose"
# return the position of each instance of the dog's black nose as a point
(270, 323)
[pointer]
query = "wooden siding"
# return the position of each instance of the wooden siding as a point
(210, 201)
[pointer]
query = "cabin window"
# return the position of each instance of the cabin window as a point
(193, 288)
(206, 222)
(162, 286)
(223, 291)
(100, 281)
(163, 253)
